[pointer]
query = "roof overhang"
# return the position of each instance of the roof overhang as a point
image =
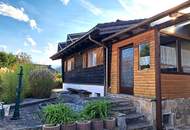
(59, 54)
(173, 14)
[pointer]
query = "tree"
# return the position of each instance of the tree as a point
(23, 58)
(7, 59)
(3, 59)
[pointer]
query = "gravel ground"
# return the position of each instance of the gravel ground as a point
(29, 118)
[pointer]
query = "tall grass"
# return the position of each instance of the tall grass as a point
(9, 82)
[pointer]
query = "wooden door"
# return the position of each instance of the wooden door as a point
(126, 70)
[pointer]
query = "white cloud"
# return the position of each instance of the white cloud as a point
(91, 7)
(3, 47)
(18, 51)
(49, 50)
(146, 8)
(30, 42)
(65, 2)
(36, 51)
(33, 25)
(18, 14)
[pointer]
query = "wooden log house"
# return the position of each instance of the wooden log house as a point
(147, 58)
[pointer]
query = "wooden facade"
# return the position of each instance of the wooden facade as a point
(173, 85)
(81, 73)
(144, 80)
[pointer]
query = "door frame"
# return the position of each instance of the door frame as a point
(125, 90)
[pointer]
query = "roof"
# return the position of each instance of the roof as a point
(103, 29)
(150, 20)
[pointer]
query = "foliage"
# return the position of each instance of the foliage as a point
(96, 110)
(9, 82)
(58, 114)
(7, 59)
(23, 58)
(58, 80)
(41, 82)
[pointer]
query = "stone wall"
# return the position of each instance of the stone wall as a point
(179, 111)
(147, 107)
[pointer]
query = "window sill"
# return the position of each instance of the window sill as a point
(177, 73)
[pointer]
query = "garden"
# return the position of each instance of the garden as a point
(95, 115)
(38, 108)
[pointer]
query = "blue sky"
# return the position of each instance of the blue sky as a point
(36, 26)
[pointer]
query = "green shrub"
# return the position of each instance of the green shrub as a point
(57, 80)
(9, 82)
(41, 83)
(96, 110)
(58, 114)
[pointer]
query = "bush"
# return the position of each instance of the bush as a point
(58, 114)
(96, 110)
(41, 83)
(9, 82)
(58, 80)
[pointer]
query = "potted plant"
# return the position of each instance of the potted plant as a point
(51, 117)
(83, 123)
(97, 111)
(109, 121)
(68, 118)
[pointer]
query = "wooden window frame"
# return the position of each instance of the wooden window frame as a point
(85, 63)
(178, 59)
(139, 55)
(71, 64)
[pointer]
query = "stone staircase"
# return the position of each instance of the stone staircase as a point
(126, 109)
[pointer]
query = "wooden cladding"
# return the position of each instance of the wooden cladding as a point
(175, 86)
(144, 80)
(92, 57)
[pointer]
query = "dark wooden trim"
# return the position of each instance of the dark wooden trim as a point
(158, 82)
(178, 45)
(62, 67)
(176, 73)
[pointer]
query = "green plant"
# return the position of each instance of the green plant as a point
(58, 114)
(9, 82)
(41, 83)
(98, 109)
(57, 80)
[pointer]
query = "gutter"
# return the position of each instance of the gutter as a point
(106, 64)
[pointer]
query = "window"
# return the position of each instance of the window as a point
(169, 57)
(93, 57)
(144, 56)
(175, 53)
(70, 64)
(185, 56)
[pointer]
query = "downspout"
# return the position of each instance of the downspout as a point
(106, 64)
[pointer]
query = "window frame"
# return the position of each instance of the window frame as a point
(178, 59)
(85, 58)
(139, 56)
(66, 64)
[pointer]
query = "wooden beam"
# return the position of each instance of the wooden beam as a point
(158, 82)
(175, 35)
(151, 19)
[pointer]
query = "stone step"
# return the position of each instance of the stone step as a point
(121, 104)
(119, 100)
(142, 125)
(134, 116)
(126, 110)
